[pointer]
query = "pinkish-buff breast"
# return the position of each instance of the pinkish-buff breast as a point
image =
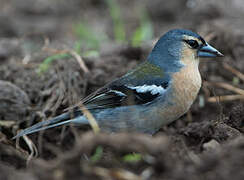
(185, 87)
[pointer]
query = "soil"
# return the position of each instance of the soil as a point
(206, 143)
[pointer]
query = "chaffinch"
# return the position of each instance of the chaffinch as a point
(155, 93)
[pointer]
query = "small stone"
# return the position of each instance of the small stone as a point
(211, 145)
(14, 102)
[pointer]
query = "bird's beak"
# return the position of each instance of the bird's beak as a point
(208, 51)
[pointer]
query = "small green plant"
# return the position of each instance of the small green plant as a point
(87, 36)
(43, 67)
(88, 41)
(132, 158)
(236, 81)
(118, 24)
(144, 32)
(97, 155)
(87, 45)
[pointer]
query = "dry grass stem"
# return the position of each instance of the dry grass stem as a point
(225, 98)
(72, 53)
(79, 60)
(210, 36)
(7, 124)
(90, 118)
(234, 71)
(110, 174)
(32, 148)
(226, 86)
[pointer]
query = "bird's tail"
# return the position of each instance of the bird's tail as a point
(57, 121)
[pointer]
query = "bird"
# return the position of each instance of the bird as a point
(155, 93)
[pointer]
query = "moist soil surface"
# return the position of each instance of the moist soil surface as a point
(206, 143)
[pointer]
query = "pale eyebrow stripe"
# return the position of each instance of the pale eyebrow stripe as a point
(200, 41)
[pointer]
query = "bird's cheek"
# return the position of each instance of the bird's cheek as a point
(188, 55)
(174, 51)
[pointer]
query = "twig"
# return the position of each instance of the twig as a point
(206, 91)
(72, 53)
(46, 43)
(225, 98)
(32, 147)
(79, 60)
(3, 137)
(234, 71)
(90, 118)
(189, 116)
(226, 86)
(113, 173)
(210, 36)
(6, 123)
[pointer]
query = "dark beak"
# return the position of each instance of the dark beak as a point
(208, 51)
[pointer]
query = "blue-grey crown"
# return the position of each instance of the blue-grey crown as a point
(167, 51)
(179, 33)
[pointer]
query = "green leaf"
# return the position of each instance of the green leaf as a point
(132, 158)
(236, 81)
(88, 38)
(43, 67)
(118, 24)
(97, 155)
(91, 53)
(144, 32)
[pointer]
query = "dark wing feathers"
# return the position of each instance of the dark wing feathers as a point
(121, 92)
(115, 96)
(104, 99)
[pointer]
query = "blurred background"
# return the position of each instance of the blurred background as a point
(55, 52)
(89, 23)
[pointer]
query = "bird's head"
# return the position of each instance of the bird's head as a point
(180, 47)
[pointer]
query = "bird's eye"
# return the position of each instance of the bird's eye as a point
(193, 43)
